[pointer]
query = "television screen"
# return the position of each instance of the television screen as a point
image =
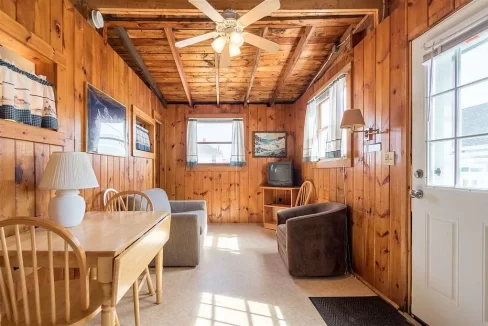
(280, 174)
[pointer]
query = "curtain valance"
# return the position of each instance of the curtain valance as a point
(26, 98)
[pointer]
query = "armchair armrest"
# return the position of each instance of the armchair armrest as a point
(298, 211)
(181, 206)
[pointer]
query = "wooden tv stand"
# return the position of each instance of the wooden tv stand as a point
(274, 200)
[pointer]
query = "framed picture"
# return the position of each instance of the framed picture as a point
(106, 124)
(269, 144)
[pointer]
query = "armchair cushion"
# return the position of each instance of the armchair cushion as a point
(159, 199)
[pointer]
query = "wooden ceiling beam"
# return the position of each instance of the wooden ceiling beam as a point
(217, 78)
(132, 6)
(341, 47)
(179, 65)
(292, 62)
(131, 49)
(255, 68)
(205, 23)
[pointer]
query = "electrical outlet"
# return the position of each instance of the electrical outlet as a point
(389, 158)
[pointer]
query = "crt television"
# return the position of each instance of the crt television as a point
(280, 174)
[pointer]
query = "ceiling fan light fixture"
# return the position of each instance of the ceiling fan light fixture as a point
(219, 44)
(236, 38)
(234, 50)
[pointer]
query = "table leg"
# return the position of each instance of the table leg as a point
(108, 310)
(159, 277)
(105, 277)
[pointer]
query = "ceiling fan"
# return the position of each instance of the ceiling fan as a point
(229, 34)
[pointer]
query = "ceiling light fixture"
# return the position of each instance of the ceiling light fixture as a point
(236, 38)
(219, 44)
(234, 50)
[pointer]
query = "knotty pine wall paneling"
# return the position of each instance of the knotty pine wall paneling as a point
(376, 194)
(88, 59)
(233, 196)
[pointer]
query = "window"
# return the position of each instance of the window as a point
(457, 124)
(215, 141)
(324, 139)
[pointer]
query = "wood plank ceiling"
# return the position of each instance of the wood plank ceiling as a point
(306, 41)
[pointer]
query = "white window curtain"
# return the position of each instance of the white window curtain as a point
(26, 98)
(310, 141)
(333, 145)
(191, 143)
(238, 151)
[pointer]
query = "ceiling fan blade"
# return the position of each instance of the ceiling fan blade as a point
(208, 10)
(260, 42)
(264, 9)
(196, 39)
(225, 57)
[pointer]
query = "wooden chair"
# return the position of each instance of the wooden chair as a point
(134, 201)
(63, 302)
(109, 193)
(304, 194)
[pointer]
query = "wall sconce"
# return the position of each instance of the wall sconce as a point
(352, 119)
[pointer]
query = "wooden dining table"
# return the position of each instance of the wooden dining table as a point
(119, 245)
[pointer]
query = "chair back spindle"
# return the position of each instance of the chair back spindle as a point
(304, 193)
(42, 237)
(109, 193)
(130, 201)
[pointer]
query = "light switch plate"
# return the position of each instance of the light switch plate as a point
(389, 158)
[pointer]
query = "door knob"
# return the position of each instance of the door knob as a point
(416, 194)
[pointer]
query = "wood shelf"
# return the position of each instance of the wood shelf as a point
(278, 205)
(272, 197)
(20, 131)
(149, 123)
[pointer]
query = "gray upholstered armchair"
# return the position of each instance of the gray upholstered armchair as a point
(188, 228)
(312, 239)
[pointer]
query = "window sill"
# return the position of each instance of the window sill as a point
(20, 131)
(216, 168)
(333, 163)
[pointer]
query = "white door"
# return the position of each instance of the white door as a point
(450, 167)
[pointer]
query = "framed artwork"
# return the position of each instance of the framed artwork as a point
(106, 124)
(269, 144)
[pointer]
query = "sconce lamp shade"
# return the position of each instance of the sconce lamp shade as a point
(352, 118)
(68, 171)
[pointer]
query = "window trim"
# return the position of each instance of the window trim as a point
(218, 167)
(328, 163)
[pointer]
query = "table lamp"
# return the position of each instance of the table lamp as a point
(67, 172)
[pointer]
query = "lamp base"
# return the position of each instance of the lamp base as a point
(67, 208)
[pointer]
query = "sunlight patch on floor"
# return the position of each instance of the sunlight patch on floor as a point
(224, 242)
(220, 310)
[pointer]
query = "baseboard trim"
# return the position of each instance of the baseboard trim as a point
(407, 316)
(372, 288)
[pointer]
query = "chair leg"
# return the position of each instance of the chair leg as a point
(117, 322)
(135, 292)
(150, 287)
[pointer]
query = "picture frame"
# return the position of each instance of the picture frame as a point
(106, 124)
(269, 144)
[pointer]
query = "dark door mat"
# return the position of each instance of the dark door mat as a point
(358, 311)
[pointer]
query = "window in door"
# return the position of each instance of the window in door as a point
(457, 123)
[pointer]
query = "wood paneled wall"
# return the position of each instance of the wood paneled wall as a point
(232, 194)
(88, 59)
(376, 194)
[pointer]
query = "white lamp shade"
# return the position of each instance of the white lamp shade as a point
(68, 171)
(234, 50)
(352, 118)
(219, 44)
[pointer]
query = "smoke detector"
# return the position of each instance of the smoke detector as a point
(96, 19)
